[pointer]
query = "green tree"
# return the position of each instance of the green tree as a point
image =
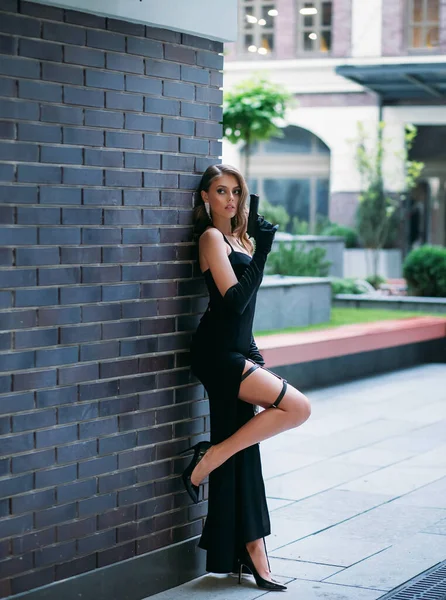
(377, 209)
(252, 112)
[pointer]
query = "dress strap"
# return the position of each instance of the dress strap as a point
(226, 240)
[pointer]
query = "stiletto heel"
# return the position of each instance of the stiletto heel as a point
(199, 451)
(263, 584)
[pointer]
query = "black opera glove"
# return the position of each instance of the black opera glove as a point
(264, 235)
(254, 353)
(238, 296)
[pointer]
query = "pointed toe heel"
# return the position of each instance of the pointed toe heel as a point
(199, 451)
(264, 584)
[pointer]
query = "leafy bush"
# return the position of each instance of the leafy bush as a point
(292, 259)
(346, 286)
(348, 233)
(303, 227)
(425, 271)
(376, 280)
(275, 214)
(300, 227)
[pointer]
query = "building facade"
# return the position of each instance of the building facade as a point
(347, 61)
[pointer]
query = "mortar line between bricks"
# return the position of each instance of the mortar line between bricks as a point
(24, 308)
(132, 376)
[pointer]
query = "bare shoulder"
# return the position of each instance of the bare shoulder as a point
(210, 239)
(212, 249)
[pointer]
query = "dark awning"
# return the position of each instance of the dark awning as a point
(423, 81)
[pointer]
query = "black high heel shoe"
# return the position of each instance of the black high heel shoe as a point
(199, 450)
(245, 560)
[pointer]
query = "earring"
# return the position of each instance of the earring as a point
(208, 209)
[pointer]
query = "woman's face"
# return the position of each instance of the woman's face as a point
(223, 196)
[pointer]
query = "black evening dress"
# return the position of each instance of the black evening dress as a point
(237, 508)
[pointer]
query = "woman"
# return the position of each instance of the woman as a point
(225, 358)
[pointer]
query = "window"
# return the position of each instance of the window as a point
(304, 199)
(257, 20)
(293, 194)
(294, 140)
(424, 21)
(314, 22)
(293, 171)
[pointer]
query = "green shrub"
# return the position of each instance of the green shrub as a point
(303, 227)
(346, 286)
(293, 259)
(275, 214)
(425, 271)
(300, 227)
(348, 233)
(376, 280)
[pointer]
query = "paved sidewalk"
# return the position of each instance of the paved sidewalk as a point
(357, 494)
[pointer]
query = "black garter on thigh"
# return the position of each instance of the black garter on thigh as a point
(284, 386)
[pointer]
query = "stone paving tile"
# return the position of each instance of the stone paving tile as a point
(331, 507)
(290, 444)
(379, 430)
(274, 504)
(297, 520)
(313, 479)
(309, 590)
(329, 548)
(279, 462)
(429, 496)
(434, 458)
(301, 570)
(284, 531)
(389, 523)
(328, 424)
(394, 480)
(438, 528)
(373, 456)
(419, 441)
(395, 565)
(429, 413)
(217, 587)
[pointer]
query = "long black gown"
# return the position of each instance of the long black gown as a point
(237, 508)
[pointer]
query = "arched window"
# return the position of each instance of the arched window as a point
(293, 171)
(295, 140)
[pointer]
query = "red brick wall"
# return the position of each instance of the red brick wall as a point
(393, 24)
(342, 28)
(443, 26)
(286, 29)
(356, 99)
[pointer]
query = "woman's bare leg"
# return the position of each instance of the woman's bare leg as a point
(256, 550)
(260, 388)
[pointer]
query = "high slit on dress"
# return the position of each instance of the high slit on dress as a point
(237, 508)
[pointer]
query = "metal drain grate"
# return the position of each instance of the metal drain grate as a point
(429, 585)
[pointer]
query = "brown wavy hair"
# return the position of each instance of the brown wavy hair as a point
(239, 221)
